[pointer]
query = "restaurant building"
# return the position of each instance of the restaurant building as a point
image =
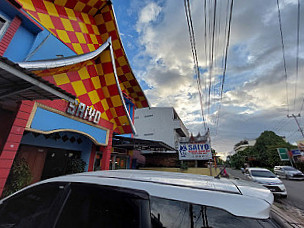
(75, 48)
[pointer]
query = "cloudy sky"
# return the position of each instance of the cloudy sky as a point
(257, 95)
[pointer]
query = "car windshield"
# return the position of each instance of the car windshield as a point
(170, 213)
(290, 169)
(262, 173)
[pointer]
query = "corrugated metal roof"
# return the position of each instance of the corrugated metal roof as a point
(140, 144)
(17, 84)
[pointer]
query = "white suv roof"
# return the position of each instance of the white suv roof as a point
(257, 168)
(240, 198)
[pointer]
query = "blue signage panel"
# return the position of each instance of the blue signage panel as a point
(296, 152)
(194, 151)
(46, 121)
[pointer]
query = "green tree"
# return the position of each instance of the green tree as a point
(263, 153)
(265, 149)
(19, 177)
(237, 160)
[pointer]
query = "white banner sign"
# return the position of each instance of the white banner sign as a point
(194, 151)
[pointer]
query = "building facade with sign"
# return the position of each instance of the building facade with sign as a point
(76, 46)
(160, 124)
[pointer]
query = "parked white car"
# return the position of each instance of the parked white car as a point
(131, 198)
(288, 172)
(267, 179)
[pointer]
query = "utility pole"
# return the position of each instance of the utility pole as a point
(295, 117)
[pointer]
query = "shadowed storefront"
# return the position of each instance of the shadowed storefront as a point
(74, 46)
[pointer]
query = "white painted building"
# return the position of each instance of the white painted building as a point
(161, 124)
(246, 144)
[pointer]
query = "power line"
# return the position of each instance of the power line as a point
(194, 54)
(225, 62)
(298, 47)
(292, 134)
(302, 106)
(278, 124)
(212, 56)
(295, 117)
(282, 125)
(283, 52)
(205, 40)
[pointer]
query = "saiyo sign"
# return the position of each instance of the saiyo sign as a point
(194, 151)
(84, 112)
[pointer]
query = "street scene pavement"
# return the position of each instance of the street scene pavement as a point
(292, 206)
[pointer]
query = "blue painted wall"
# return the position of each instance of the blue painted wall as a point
(58, 122)
(85, 146)
(20, 45)
(27, 46)
(130, 106)
(28, 42)
(50, 48)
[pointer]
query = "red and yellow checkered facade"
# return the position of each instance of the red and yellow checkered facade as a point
(84, 25)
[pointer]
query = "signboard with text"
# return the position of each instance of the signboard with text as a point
(83, 111)
(194, 151)
(283, 153)
(296, 152)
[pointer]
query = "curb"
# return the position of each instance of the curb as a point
(283, 219)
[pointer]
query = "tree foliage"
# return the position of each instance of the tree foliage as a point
(263, 153)
(19, 177)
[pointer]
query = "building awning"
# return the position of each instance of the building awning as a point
(17, 84)
(140, 144)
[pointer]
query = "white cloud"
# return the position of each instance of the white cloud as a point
(149, 13)
(255, 88)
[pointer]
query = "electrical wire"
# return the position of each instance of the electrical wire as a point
(205, 40)
(194, 54)
(283, 52)
(298, 47)
(302, 106)
(225, 62)
(212, 57)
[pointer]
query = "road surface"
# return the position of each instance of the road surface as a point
(295, 190)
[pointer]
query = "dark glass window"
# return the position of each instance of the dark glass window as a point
(2, 22)
(261, 173)
(93, 206)
(169, 213)
(31, 207)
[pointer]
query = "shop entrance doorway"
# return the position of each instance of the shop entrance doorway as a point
(57, 162)
(118, 161)
(35, 158)
(46, 162)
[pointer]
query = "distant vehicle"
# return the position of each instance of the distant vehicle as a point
(267, 179)
(288, 172)
(136, 198)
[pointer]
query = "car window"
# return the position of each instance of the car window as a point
(262, 173)
(30, 207)
(290, 169)
(169, 213)
(99, 206)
